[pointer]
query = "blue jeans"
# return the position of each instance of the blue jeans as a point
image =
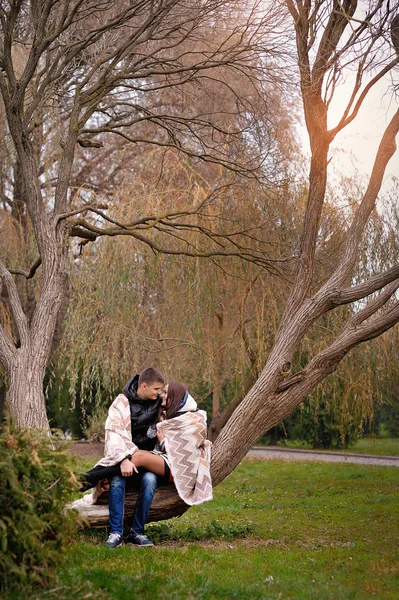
(116, 502)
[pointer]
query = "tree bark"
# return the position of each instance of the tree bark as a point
(26, 362)
(25, 397)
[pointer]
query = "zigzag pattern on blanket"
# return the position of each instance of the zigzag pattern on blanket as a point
(118, 440)
(120, 419)
(189, 453)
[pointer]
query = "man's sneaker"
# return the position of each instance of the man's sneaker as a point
(114, 540)
(138, 539)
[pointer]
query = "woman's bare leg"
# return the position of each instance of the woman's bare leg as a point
(148, 460)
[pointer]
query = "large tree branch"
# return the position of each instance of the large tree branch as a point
(320, 139)
(337, 23)
(357, 292)
(385, 151)
(321, 303)
(348, 118)
(20, 318)
(354, 335)
(373, 305)
(88, 231)
(329, 294)
(355, 332)
(27, 274)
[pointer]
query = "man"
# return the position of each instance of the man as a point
(129, 418)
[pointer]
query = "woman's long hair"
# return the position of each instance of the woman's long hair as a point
(176, 393)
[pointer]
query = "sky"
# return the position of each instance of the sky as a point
(355, 147)
(364, 134)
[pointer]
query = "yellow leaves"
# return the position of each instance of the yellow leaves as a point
(35, 458)
(73, 480)
(11, 442)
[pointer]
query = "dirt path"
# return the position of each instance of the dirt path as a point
(85, 449)
(319, 455)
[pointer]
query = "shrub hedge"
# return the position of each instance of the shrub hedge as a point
(34, 529)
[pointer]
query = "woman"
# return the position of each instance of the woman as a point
(182, 454)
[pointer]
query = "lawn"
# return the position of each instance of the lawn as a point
(379, 446)
(275, 530)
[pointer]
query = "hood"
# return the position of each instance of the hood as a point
(188, 404)
(130, 389)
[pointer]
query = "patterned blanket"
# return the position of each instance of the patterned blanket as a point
(189, 455)
(118, 433)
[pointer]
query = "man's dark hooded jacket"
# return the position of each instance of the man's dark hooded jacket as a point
(143, 413)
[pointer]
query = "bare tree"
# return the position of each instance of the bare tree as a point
(71, 72)
(329, 37)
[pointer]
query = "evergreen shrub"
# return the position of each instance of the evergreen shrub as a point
(318, 425)
(95, 432)
(391, 414)
(34, 528)
(322, 426)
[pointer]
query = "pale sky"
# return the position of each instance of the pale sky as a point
(363, 135)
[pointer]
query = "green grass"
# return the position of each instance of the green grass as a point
(379, 446)
(275, 530)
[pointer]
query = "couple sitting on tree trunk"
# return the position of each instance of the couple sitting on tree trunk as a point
(153, 434)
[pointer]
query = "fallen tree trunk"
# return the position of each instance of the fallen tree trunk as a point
(165, 505)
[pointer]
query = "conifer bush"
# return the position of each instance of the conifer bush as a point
(34, 528)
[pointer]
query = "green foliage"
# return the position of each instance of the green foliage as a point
(69, 408)
(215, 530)
(388, 413)
(34, 530)
(392, 421)
(95, 431)
(320, 426)
(379, 446)
(62, 413)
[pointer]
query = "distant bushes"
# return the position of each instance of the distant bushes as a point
(318, 425)
(34, 529)
(95, 431)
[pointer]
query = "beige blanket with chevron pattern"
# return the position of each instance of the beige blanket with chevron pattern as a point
(189, 455)
(118, 433)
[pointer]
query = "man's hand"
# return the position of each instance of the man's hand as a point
(127, 467)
